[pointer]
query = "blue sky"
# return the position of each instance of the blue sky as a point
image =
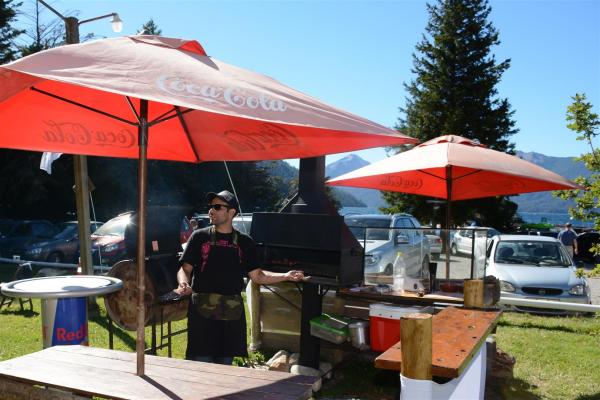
(356, 55)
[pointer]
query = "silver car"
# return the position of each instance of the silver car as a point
(388, 237)
(535, 267)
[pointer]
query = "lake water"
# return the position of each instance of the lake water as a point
(531, 217)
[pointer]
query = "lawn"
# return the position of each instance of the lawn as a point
(557, 358)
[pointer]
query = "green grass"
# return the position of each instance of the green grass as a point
(557, 358)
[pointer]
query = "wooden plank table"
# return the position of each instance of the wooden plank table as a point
(404, 297)
(457, 335)
(89, 371)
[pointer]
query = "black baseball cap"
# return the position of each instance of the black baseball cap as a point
(226, 196)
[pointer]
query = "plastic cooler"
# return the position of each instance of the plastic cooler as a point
(385, 323)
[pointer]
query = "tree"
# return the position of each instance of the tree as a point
(455, 92)
(8, 34)
(40, 35)
(150, 28)
(585, 123)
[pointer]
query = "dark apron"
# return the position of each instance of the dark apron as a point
(217, 337)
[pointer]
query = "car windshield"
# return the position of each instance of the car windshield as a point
(114, 227)
(66, 231)
(531, 252)
(371, 228)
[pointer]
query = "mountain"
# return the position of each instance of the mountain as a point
(544, 202)
(370, 197)
(285, 178)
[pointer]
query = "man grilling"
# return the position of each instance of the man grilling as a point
(214, 263)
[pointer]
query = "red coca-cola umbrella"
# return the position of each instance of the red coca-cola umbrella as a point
(454, 168)
(163, 98)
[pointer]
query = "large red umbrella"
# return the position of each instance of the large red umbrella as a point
(162, 98)
(454, 168)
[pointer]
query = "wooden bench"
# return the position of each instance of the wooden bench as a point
(87, 371)
(457, 336)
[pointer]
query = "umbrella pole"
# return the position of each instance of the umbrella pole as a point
(140, 343)
(448, 204)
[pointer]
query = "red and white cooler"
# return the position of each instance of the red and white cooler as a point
(385, 323)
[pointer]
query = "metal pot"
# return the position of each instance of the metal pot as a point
(359, 334)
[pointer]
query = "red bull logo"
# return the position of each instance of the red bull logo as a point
(65, 322)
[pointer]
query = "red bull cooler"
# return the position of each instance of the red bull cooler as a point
(64, 321)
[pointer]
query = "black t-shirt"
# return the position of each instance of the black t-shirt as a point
(219, 273)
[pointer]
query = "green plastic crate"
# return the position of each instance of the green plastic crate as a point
(330, 327)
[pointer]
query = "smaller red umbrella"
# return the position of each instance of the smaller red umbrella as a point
(454, 168)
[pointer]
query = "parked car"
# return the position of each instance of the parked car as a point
(243, 223)
(6, 225)
(435, 242)
(63, 247)
(384, 236)
(23, 234)
(535, 267)
(585, 241)
(109, 242)
(462, 240)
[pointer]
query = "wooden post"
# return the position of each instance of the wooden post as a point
(254, 306)
(473, 293)
(415, 343)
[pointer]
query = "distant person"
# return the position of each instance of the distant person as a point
(194, 223)
(568, 238)
(214, 263)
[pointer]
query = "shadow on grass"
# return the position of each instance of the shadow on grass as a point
(508, 389)
(559, 328)
(589, 397)
(102, 320)
(358, 379)
(22, 313)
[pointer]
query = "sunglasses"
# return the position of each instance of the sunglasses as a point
(218, 206)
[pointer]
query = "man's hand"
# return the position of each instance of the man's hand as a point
(184, 289)
(294, 276)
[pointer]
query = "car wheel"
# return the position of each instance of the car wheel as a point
(55, 258)
(454, 249)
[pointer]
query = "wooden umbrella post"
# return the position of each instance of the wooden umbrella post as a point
(473, 293)
(416, 345)
(254, 304)
(140, 344)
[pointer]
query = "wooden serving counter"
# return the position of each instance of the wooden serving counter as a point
(403, 297)
(457, 336)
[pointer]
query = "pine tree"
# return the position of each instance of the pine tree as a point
(8, 34)
(150, 28)
(454, 92)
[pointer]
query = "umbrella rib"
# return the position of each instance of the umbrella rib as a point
(176, 114)
(83, 106)
(430, 174)
(186, 130)
(133, 109)
(470, 173)
(161, 116)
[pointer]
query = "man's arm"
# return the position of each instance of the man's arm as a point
(575, 246)
(184, 277)
(262, 277)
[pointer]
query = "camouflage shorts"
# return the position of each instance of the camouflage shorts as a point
(218, 306)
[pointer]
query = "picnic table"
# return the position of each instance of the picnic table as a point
(457, 336)
(88, 371)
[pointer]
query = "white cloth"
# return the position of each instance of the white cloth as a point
(47, 159)
(470, 385)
